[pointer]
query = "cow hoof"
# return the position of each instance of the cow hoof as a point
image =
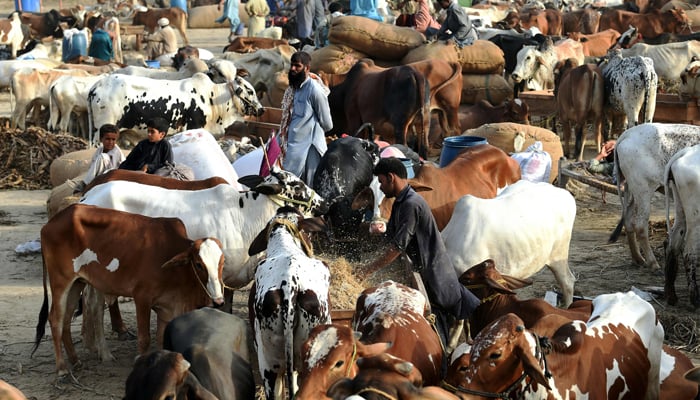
(126, 335)
(66, 378)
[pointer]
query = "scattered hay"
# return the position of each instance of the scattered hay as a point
(25, 156)
(345, 287)
(682, 332)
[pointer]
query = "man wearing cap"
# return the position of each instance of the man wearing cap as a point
(162, 41)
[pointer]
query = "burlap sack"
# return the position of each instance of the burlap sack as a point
(62, 196)
(482, 57)
(205, 16)
(693, 17)
(335, 59)
(491, 87)
(377, 39)
(511, 137)
(69, 166)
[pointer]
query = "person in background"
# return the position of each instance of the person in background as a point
(152, 153)
(257, 11)
(412, 231)
(456, 25)
(101, 49)
(311, 16)
(336, 10)
(230, 12)
(306, 117)
(365, 8)
(162, 41)
(425, 23)
(603, 163)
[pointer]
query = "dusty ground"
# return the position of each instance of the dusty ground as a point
(599, 268)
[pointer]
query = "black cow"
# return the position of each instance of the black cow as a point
(214, 344)
(344, 170)
(46, 24)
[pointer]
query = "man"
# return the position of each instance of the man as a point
(101, 49)
(425, 23)
(151, 153)
(412, 230)
(311, 16)
(306, 117)
(163, 41)
(456, 25)
(230, 12)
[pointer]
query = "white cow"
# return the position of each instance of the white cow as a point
(11, 33)
(535, 64)
(290, 299)
(669, 59)
(682, 184)
(641, 154)
(189, 67)
(524, 228)
(196, 102)
(9, 67)
(69, 94)
(233, 217)
(31, 89)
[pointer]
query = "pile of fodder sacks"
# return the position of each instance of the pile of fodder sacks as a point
(353, 38)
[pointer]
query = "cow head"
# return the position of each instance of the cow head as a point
(689, 77)
(291, 220)
(529, 59)
(484, 280)
(286, 189)
(628, 38)
(206, 257)
(244, 97)
(682, 22)
(517, 111)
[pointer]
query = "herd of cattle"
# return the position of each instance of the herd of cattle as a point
(176, 247)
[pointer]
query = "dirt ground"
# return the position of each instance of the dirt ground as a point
(599, 268)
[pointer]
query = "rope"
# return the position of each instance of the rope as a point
(432, 321)
(377, 391)
(352, 359)
(281, 200)
(294, 230)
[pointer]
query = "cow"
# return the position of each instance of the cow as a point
(481, 170)
(46, 24)
(154, 180)
(9, 67)
(344, 170)
(290, 296)
(669, 59)
(548, 22)
(650, 25)
(266, 68)
(641, 153)
(681, 184)
(584, 21)
(244, 44)
(483, 112)
(9, 392)
(149, 17)
(189, 67)
(511, 45)
(31, 89)
(615, 354)
(197, 102)
(11, 33)
(171, 372)
(535, 67)
(91, 69)
(387, 377)
(233, 217)
(123, 254)
(215, 344)
(398, 95)
(689, 79)
(596, 44)
(579, 95)
(68, 94)
(630, 87)
(540, 218)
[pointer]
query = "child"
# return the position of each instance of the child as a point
(108, 155)
(153, 153)
(336, 10)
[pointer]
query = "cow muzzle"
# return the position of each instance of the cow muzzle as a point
(377, 227)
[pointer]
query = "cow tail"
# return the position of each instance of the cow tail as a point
(43, 314)
(288, 316)
(645, 107)
(456, 71)
(424, 91)
(53, 111)
(90, 133)
(617, 174)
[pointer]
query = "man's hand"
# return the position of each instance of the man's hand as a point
(391, 254)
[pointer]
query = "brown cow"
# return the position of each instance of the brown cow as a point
(548, 21)
(149, 17)
(244, 44)
(580, 95)
(123, 254)
(46, 24)
(585, 21)
(154, 180)
(596, 44)
(479, 171)
(650, 25)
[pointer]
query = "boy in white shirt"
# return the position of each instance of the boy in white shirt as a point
(108, 155)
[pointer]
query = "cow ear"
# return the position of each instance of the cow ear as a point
(419, 187)
(268, 188)
(516, 283)
(315, 224)
(498, 287)
(178, 260)
(531, 366)
(362, 199)
(371, 350)
(259, 244)
(340, 389)
(693, 375)
(250, 180)
(195, 390)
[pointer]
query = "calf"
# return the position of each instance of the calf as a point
(11, 33)
(540, 219)
(682, 184)
(122, 254)
(46, 24)
(616, 354)
(244, 44)
(289, 298)
(641, 153)
(579, 96)
(630, 87)
(216, 345)
(483, 112)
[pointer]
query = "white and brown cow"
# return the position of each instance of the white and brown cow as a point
(122, 254)
(289, 298)
(615, 355)
(630, 88)
(535, 65)
(11, 33)
(641, 154)
(690, 84)
(197, 102)
(149, 17)
(682, 184)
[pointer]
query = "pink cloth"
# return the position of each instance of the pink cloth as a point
(392, 152)
(273, 151)
(424, 19)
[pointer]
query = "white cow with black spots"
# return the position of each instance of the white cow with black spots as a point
(641, 154)
(682, 184)
(289, 298)
(630, 87)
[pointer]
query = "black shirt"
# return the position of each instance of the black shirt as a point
(412, 229)
(148, 153)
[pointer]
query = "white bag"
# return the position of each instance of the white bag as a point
(535, 163)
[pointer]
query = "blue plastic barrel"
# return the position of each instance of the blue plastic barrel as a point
(28, 5)
(452, 145)
(74, 43)
(408, 163)
(179, 3)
